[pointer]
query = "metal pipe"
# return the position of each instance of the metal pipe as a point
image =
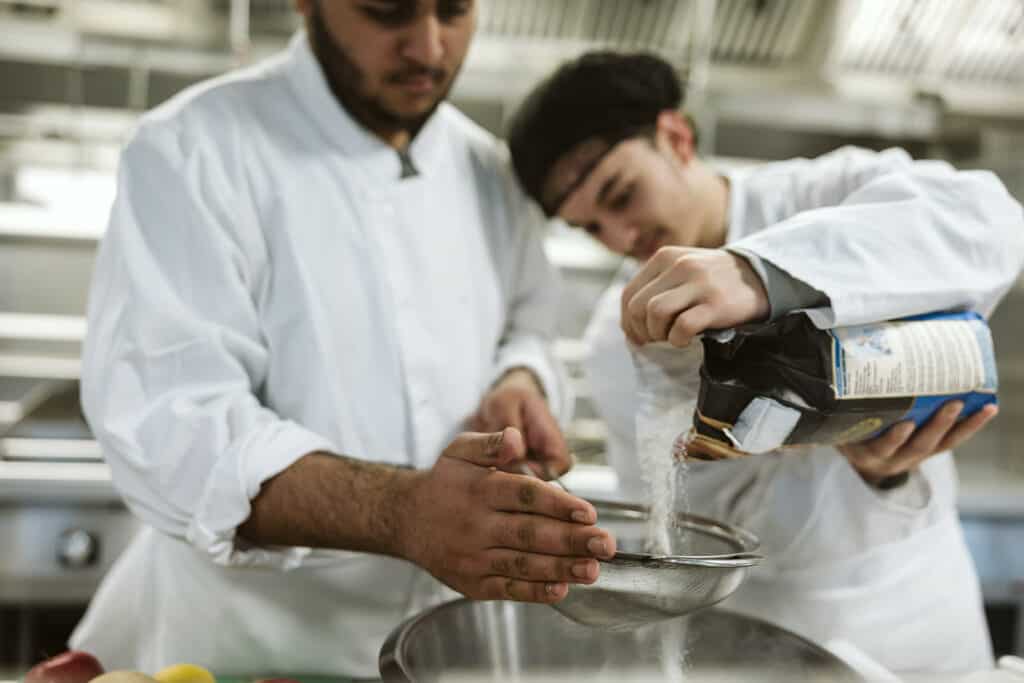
(700, 49)
(239, 30)
(701, 36)
(138, 83)
(35, 449)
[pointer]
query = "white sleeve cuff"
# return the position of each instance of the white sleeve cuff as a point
(225, 502)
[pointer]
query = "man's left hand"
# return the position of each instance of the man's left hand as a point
(902, 448)
(516, 400)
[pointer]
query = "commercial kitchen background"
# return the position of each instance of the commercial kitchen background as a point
(769, 79)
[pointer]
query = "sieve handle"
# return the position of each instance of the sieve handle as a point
(741, 559)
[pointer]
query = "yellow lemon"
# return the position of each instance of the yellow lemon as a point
(184, 673)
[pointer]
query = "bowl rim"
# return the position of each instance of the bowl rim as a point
(392, 666)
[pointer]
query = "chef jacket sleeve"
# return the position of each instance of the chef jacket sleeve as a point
(885, 237)
(533, 295)
(174, 359)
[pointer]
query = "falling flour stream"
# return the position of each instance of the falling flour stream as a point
(667, 384)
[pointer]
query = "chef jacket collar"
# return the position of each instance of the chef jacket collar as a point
(356, 141)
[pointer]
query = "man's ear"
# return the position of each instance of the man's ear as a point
(675, 132)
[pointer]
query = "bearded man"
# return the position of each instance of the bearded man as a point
(317, 273)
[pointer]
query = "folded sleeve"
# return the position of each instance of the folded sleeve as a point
(174, 359)
(883, 237)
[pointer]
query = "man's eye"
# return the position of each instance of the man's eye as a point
(391, 14)
(450, 10)
(621, 200)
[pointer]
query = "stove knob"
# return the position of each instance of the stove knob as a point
(77, 549)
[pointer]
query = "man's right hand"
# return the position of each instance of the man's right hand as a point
(683, 291)
(492, 535)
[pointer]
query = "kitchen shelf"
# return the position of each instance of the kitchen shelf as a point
(34, 482)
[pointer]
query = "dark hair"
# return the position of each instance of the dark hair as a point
(604, 95)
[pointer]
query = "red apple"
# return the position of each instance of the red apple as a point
(72, 666)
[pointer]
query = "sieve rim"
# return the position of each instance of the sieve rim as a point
(618, 510)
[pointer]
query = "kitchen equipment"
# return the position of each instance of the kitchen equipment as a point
(49, 425)
(635, 588)
(505, 641)
(19, 396)
(61, 522)
(708, 563)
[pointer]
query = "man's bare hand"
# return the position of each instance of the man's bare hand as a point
(516, 400)
(683, 291)
(901, 448)
(492, 535)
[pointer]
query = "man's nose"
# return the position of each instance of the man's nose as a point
(424, 42)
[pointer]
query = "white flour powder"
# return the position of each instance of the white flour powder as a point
(667, 383)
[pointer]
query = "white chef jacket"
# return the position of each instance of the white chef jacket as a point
(883, 237)
(268, 287)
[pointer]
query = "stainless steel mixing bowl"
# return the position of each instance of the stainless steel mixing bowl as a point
(708, 562)
(504, 641)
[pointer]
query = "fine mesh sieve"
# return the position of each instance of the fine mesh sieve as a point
(709, 561)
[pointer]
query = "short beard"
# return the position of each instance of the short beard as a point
(347, 81)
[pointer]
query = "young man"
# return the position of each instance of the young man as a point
(316, 273)
(865, 547)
